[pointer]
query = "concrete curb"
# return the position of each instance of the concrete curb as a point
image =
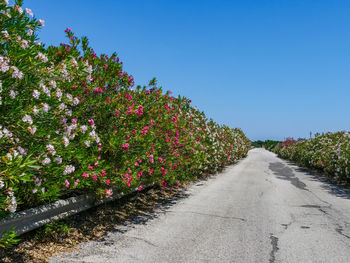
(33, 218)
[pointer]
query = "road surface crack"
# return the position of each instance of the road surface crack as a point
(211, 215)
(142, 239)
(340, 230)
(275, 248)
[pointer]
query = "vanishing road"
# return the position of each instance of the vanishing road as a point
(259, 210)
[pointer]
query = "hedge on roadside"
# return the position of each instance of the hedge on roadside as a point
(71, 119)
(329, 153)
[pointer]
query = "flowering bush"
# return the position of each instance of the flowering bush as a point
(71, 119)
(329, 153)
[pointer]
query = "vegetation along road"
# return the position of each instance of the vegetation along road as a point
(260, 210)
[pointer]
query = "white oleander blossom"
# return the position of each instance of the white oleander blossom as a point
(62, 106)
(13, 94)
(69, 169)
(87, 143)
(58, 159)
(46, 161)
(24, 44)
(5, 34)
(35, 110)
(32, 129)
(46, 107)
(27, 118)
(42, 57)
(83, 128)
(18, 9)
(41, 22)
(76, 101)
(36, 94)
(29, 12)
(65, 141)
(2, 184)
(16, 73)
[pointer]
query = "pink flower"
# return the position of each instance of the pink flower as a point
(140, 187)
(150, 171)
(139, 174)
(90, 167)
(136, 164)
(160, 159)
(66, 183)
(108, 182)
(125, 146)
(108, 192)
(41, 22)
(104, 173)
(85, 175)
(151, 158)
(76, 182)
(91, 121)
(94, 178)
(74, 120)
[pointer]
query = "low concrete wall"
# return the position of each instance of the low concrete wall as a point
(33, 218)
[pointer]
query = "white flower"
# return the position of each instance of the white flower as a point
(45, 89)
(24, 44)
(53, 83)
(58, 159)
(35, 110)
(34, 190)
(89, 69)
(74, 62)
(6, 34)
(69, 112)
(69, 97)
(65, 141)
(16, 73)
(13, 207)
(42, 57)
(50, 147)
(37, 181)
(2, 184)
(6, 2)
(62, 106)
(30, 32)
(29, 12)
(83, 128)
(59, 94)
(46, 161)
(41, 22)
(18, 9)
(27, 118)
(13, 94)
(21, 150)
(69, 169)
(87, 143)
(46, 107)
(32, 129)
(36, 94)
(76, 101)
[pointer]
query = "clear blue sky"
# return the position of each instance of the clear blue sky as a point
(273, 68)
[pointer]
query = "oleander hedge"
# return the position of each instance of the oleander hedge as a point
(72, 120)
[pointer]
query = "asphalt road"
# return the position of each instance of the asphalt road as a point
(259, 210)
